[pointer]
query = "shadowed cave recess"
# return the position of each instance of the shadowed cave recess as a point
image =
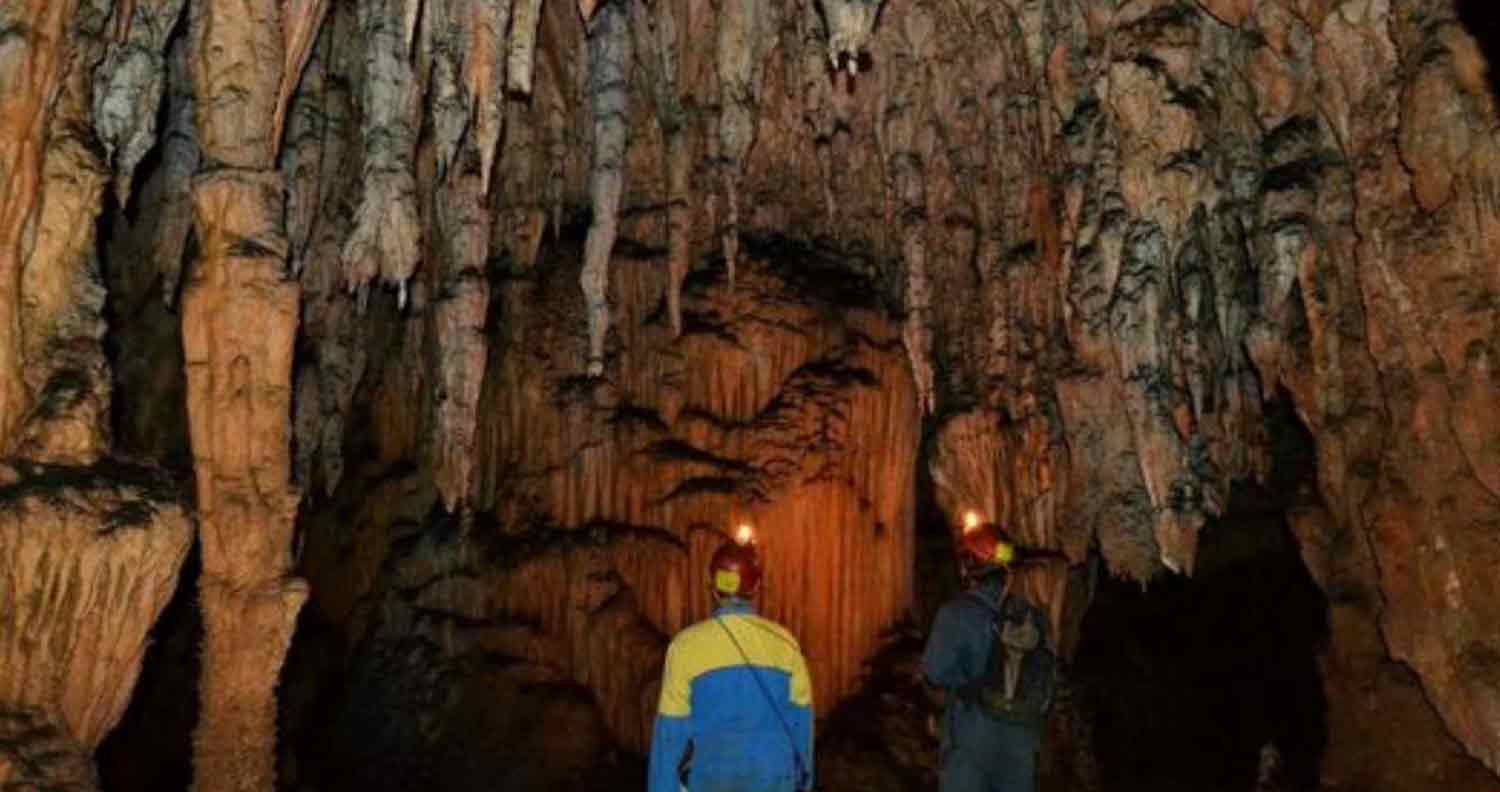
(377, 378)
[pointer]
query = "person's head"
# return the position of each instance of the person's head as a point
(735, 570)
(985, 551)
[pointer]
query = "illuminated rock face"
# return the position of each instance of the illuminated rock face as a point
(786, 404)
(91, 558)
(1107, 230)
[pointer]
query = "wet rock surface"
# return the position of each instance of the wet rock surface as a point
(1091, 240)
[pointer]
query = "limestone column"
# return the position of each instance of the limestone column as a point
(239, 321)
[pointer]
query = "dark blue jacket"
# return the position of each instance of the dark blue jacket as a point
(958, 654)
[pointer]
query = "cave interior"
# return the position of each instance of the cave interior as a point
(378, 377)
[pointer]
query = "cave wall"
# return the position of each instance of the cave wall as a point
(786, 404)
(90, 544)
(1108, 229)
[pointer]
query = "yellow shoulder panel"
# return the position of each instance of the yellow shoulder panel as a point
(706, 647)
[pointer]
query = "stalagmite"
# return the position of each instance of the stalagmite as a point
(610, 62)
(239, 321)
(386, 238)
(744, 31)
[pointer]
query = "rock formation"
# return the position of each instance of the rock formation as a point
(90, 546)
(573, 282)
(92, 556)
(600, 501)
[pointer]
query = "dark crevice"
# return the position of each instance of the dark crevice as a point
(1481, 18)
(1187, 681)
(1190, 679)
(151, 748)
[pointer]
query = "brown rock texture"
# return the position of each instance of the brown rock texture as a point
(239, 321)
(771, 408)
(91, 558)
(1114, 229)
(600, 500)
(34, 754)
(1107, 230)
(90, 546)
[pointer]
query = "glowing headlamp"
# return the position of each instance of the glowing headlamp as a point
(971, 521)
(744, 534)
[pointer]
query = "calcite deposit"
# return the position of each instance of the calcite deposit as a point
(560, 289)
(91, 557)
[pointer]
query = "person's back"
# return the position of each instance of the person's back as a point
(995, 710)
(735, 713)
(980, 751)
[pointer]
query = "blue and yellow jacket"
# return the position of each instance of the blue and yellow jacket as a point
(750, 725)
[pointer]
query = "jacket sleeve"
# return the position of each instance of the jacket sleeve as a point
(673, 730)
(802, 718)
(946, 660)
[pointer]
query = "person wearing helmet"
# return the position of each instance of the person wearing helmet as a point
(990, 657)
(736, 710)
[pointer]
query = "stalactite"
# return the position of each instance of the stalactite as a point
(302, 161)
(239, 322)
(774, 428)
(744, 30)
(179, 156)
(525, 19)
(850, 25)
(335, 338)
(522, 186)
(448, 108)
(300, 22)
(35, 56)
(62, 289)
(610, 62)
(486, 24)
(818, 105)
(386, 238)
(459, 312)
(128, 88)
(1136, 320)
(906, 139)
(91, 550)
(658, 55)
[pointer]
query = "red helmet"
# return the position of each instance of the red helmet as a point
(735, 570)
(988, 545)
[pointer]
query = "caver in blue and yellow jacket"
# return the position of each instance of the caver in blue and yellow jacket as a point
(744, 734)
